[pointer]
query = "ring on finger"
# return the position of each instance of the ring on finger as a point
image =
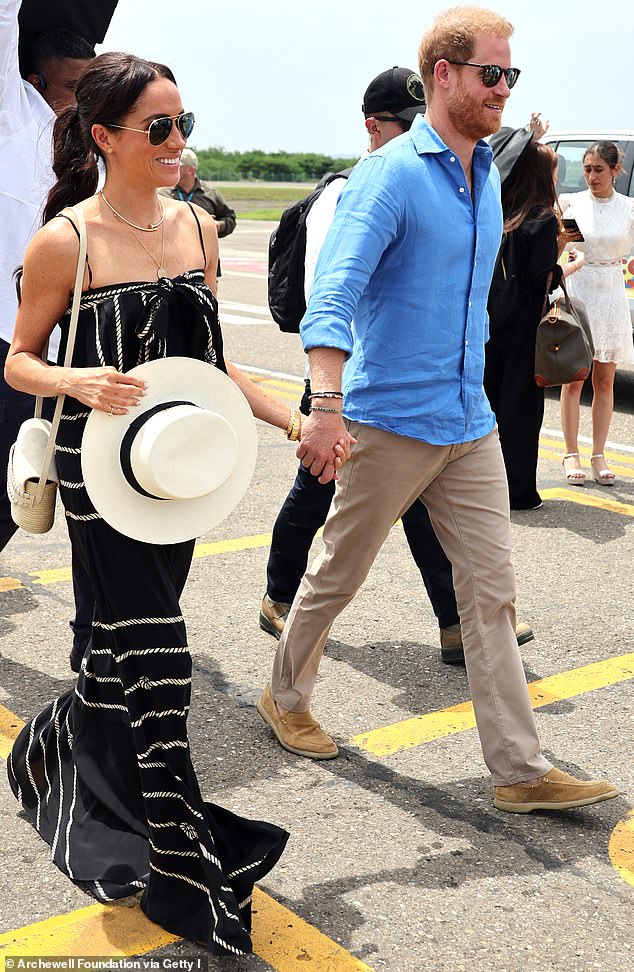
(110, 412)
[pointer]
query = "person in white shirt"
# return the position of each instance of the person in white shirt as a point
(28, 109)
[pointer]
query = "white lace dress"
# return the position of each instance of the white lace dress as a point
(608, 228)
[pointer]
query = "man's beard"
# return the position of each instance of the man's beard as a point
(470, 117)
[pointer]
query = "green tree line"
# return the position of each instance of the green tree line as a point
(216, 164)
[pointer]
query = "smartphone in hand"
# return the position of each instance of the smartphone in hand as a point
(573, 233)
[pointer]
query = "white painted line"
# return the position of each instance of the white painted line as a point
(248, 308)
(240, 273)
(238, 319)
(616, 446)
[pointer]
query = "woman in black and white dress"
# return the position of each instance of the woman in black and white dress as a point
(606, 221)
(105, 771)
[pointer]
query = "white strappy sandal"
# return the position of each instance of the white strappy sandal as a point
(576, 476)
(605, 477)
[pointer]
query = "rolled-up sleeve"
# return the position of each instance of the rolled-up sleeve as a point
(365, 224)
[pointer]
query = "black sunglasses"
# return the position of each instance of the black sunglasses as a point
(491, 73)
(160, 129)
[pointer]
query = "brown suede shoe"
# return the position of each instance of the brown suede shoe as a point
(273, 615)
(451, 650)
(297, 732)
(555, 791)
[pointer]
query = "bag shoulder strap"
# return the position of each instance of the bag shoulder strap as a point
(70, 347)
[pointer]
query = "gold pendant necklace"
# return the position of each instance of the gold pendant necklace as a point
(160, 269)
(152, 228)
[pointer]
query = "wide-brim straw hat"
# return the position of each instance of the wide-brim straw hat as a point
(178, 463)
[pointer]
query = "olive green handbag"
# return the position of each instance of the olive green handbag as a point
(563, 343)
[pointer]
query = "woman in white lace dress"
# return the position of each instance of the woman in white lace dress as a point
(606, 221)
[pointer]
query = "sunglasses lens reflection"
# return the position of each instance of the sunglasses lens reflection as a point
(186, 123)
(159, 130)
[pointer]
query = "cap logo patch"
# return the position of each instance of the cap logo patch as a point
(415, 87)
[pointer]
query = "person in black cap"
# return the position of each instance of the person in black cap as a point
(390, 104)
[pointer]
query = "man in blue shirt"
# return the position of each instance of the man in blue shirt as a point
(410, 256)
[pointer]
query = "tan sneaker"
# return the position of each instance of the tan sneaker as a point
(555, 791)
(297, 732)
(273, 615)
(451, 650)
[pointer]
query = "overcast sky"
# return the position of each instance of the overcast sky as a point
(290, 74)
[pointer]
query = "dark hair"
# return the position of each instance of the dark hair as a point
(106, 92)
(530, 186)
(57, 45)
(607, 151)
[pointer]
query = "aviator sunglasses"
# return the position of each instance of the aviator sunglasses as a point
(491, 73)
(160, 128)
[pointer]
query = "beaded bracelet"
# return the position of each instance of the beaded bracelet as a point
(326, 394)
(321, 408)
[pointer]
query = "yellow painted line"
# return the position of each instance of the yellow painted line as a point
(625, 471)
(9, 584)
(10, 726)
(280, 937)
(582, 497)
(287, 385)
(55, 576)
(621, 848)
(231, 546)
(410, 733)
(587, 451)
(95, 930)
(290, 944)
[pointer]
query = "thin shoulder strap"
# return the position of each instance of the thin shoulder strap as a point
(200, 234)
(68, 357)
(87, 260)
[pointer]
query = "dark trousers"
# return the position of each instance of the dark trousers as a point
(305, 510)
(15, 408)
(509, 382)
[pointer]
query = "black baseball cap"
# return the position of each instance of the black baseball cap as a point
(399, 91)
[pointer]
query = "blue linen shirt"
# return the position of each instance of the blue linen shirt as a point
(410, 257)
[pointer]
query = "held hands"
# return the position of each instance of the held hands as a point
(325, 445)
(104, 389)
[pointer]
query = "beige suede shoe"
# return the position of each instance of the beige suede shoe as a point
(297, 732)
(273, 615)
(451, 650)
(555, 791)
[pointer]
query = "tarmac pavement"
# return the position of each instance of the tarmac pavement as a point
(397, 859)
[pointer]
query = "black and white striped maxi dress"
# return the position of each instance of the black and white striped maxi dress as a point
(105, 771)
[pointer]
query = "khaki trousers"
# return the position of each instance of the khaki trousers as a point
(464, 488)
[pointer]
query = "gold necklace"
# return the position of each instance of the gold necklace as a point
(160, 269)
(144, 229)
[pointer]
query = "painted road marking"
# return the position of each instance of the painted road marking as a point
(583, 498)
(621, 848)
(627, 472)
(416, 731)
(58, 575)
(280, 937)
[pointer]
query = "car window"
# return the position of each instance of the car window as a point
(570, 172)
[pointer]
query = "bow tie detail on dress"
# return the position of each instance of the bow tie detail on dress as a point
(152, 326)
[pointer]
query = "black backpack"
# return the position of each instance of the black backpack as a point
(287, 252)
(506, 295)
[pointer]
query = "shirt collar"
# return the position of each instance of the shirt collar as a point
(427, 140)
